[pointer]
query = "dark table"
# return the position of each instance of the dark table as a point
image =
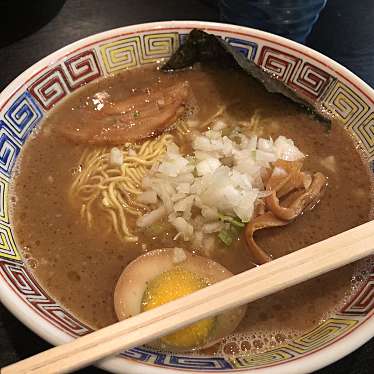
(345, 32)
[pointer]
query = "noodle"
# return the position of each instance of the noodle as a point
(113, 190)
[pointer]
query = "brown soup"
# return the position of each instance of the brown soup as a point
(79, 266)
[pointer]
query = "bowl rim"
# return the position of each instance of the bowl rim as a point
(308, 362)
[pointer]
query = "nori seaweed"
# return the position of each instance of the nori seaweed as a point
(207, 48)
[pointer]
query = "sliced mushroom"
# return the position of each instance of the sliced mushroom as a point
(286, 180)
(284, 175)
(133, 119)
(264, 221)
(297, 206)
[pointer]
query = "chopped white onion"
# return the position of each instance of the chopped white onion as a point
(207, 166)
(209, 228)
(265, 145)
(185, 204)
(149, 219)
(178, 196)
(196, 190)
(131, 152)
(286, 150)
(183, 227)
(329, 163)
(148, 197)
(265, 156)
(178, 255)
(116, 157)
(219, 125)
(183, 188)
(210, 213)
(173, 165)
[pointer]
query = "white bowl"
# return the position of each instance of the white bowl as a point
(28, 98)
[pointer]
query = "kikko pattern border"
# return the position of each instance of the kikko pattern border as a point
(25, 110)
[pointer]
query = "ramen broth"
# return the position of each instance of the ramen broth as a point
(79, 266)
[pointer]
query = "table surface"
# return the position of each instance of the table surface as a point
(344, 32)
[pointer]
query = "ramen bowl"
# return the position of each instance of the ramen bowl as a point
(30, 97)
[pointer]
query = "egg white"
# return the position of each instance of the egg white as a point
(133, 282)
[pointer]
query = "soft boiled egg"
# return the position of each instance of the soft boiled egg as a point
(163, 275)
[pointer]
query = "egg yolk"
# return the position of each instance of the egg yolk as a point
(171, 285)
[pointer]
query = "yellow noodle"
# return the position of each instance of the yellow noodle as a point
(219, 112)
(115, 222)
(255, 124)
(127, 208)
(130, 188)
(83, 209)
(89, 213)
(132, 202)
(139, 172)
(101, 186)
(135, 177)
(120, 178)
(142, 161)
(182, 129)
